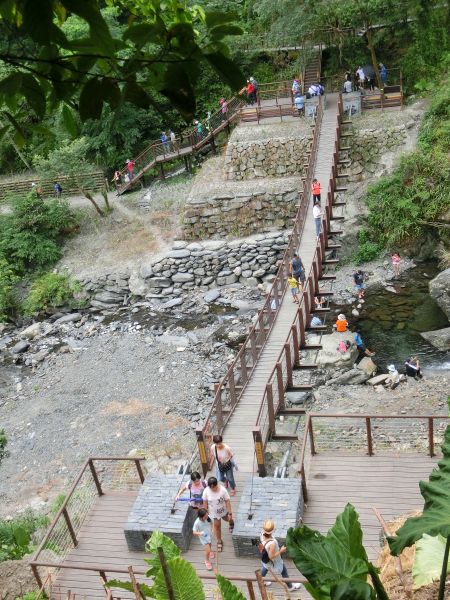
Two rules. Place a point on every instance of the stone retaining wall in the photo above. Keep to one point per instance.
(266, 158)
(209, 264)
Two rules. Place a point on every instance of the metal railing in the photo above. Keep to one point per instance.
(231, 387)
(370, 434)
(281, 376)
(96, 476)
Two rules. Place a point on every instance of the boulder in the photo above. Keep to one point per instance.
(440, 290)
(297, 397)
(159, 282)
(352, 377)
(440, 338)
(179, 244)
(182, 277)
(212, 295)
(378, 379)
(31, 331)
(20, 347)
(329, 356)
(72, 318)
(145, 271)
(367, 365)
(109, 298)
(137, 285)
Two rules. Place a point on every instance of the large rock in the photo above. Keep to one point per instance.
(182, 277)
(31, 331)
(440, 338)
(137, 285)
(20, 347)
(72, 318)
(329, 356)
(367, 365)
(352, 377)
(440, 290)
(109, 298)
(212, 295)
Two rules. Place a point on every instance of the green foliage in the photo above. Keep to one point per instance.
(170, 549)
(228, 591)
(402, 205)
(428, 560)
(7, 279)
(185, 581)
(367, 249)
(49, 290)
(31, 596)
(31, 236)
(16, 536)
(3, 443)
(335, 565)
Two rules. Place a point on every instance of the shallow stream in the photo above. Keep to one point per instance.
(391, 321)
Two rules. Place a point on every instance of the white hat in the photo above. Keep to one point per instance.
(391, 368)
(341, 317)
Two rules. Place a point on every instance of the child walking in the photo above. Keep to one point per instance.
(292, 282)
(396, 260)
(202, 529)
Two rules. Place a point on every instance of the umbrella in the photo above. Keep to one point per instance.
(369, 71)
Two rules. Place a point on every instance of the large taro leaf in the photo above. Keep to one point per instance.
(186, 584)
(170, 549)
(325, 560)
(347, 532)
(228, 591)
(127, 585)
(435, 518)
(428, 560)
(352, 590)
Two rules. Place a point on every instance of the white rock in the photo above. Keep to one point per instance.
(31, 331)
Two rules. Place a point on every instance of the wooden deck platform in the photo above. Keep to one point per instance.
(389, 483)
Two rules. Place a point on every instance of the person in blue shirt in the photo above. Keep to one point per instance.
(165, 141)
(360, 344)
(315, 321)
(383, 74)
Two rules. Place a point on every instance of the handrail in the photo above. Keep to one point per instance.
(280, 377)
(240, 370)
(368, 418)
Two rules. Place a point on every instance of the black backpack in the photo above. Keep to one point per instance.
(265, 558)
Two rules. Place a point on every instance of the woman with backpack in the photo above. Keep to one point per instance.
(224, 463)
(271, 554)
(196, 487)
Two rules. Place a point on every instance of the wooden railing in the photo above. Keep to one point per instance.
(281, 376)
(124, 473)
(231, 387)
(369, 434)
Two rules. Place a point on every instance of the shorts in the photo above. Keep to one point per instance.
(360, 286)
(294, 291)
(205, 540)
(361, 348)
(300, 276)
(225, 518)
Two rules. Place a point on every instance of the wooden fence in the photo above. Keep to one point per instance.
(22, 185)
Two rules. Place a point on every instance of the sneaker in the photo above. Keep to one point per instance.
(295, 586)
(208, 565)
(267, 583)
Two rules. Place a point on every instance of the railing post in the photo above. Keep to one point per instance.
(262, 587)
(431, 436)
(311, 437)
(37, 576)
(69, 527)
(303, 483)
(95, 477)
(137, 462)
(202, 450)
(280, 383)
(287, 350)
(243, 368)
(231, 385)
(259, 451)
(251, 591)
(296, 346)
(270, 408)
(253, 347)
(369, 436)
(301, 322)
(218, 402)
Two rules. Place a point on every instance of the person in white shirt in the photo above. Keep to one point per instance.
(347, 86)
(317, 214)
(361, 76)
(225, 464)
(202, 530)
(217, 502)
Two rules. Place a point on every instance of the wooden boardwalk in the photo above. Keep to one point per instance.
(389, 483)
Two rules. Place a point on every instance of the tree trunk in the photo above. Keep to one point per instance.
(373, 55)
(88, 195)
(105, 198)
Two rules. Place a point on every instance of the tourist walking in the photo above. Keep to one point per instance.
(412, 367)
(383, 74)
(165, 142)
(299, 103)
(317, 215)
(293, 285)
(358, 278)
(315, 190)
(58, 189)
(251, 92)
(396, 260)
(360, 344)
(297, 270)
(295, 87)
(274, 561)
(217, 502)
(199, 130)
(202, 530)
(341, 324)
(130, 168)
(117, 177)
(224, 108)
(360, 77)
(196, 486)
(174, 141)
(224, 463)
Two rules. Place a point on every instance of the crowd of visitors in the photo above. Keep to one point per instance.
(364, 79)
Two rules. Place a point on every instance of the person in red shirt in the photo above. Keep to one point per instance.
(251, 92)
(130, 168)
(315, 189)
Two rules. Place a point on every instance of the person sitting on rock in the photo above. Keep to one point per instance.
(360, 344)
(412, 367)
(315, 321)
(341, 324)
(394, 378)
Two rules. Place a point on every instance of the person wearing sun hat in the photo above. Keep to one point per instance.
(274, 551)
(394, 378)
(341, 324)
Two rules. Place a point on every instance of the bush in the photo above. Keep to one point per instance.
(31, 236)
(30, 596)
(7, 279)
(16, 536)
(3, 442)
(49, 290)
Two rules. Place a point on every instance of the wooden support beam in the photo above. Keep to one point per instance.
(326, 277)
(279, 437)
(300, 388)
(291, 412)
(312, 347)
(304, 366)
(333, 246)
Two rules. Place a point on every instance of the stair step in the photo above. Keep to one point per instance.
(333, 218)
(330, 261)
(333, 246)
(341, 188)
(312, 347)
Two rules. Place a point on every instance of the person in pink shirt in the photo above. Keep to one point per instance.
(396, 260)
(130, 168)
(224, 463)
